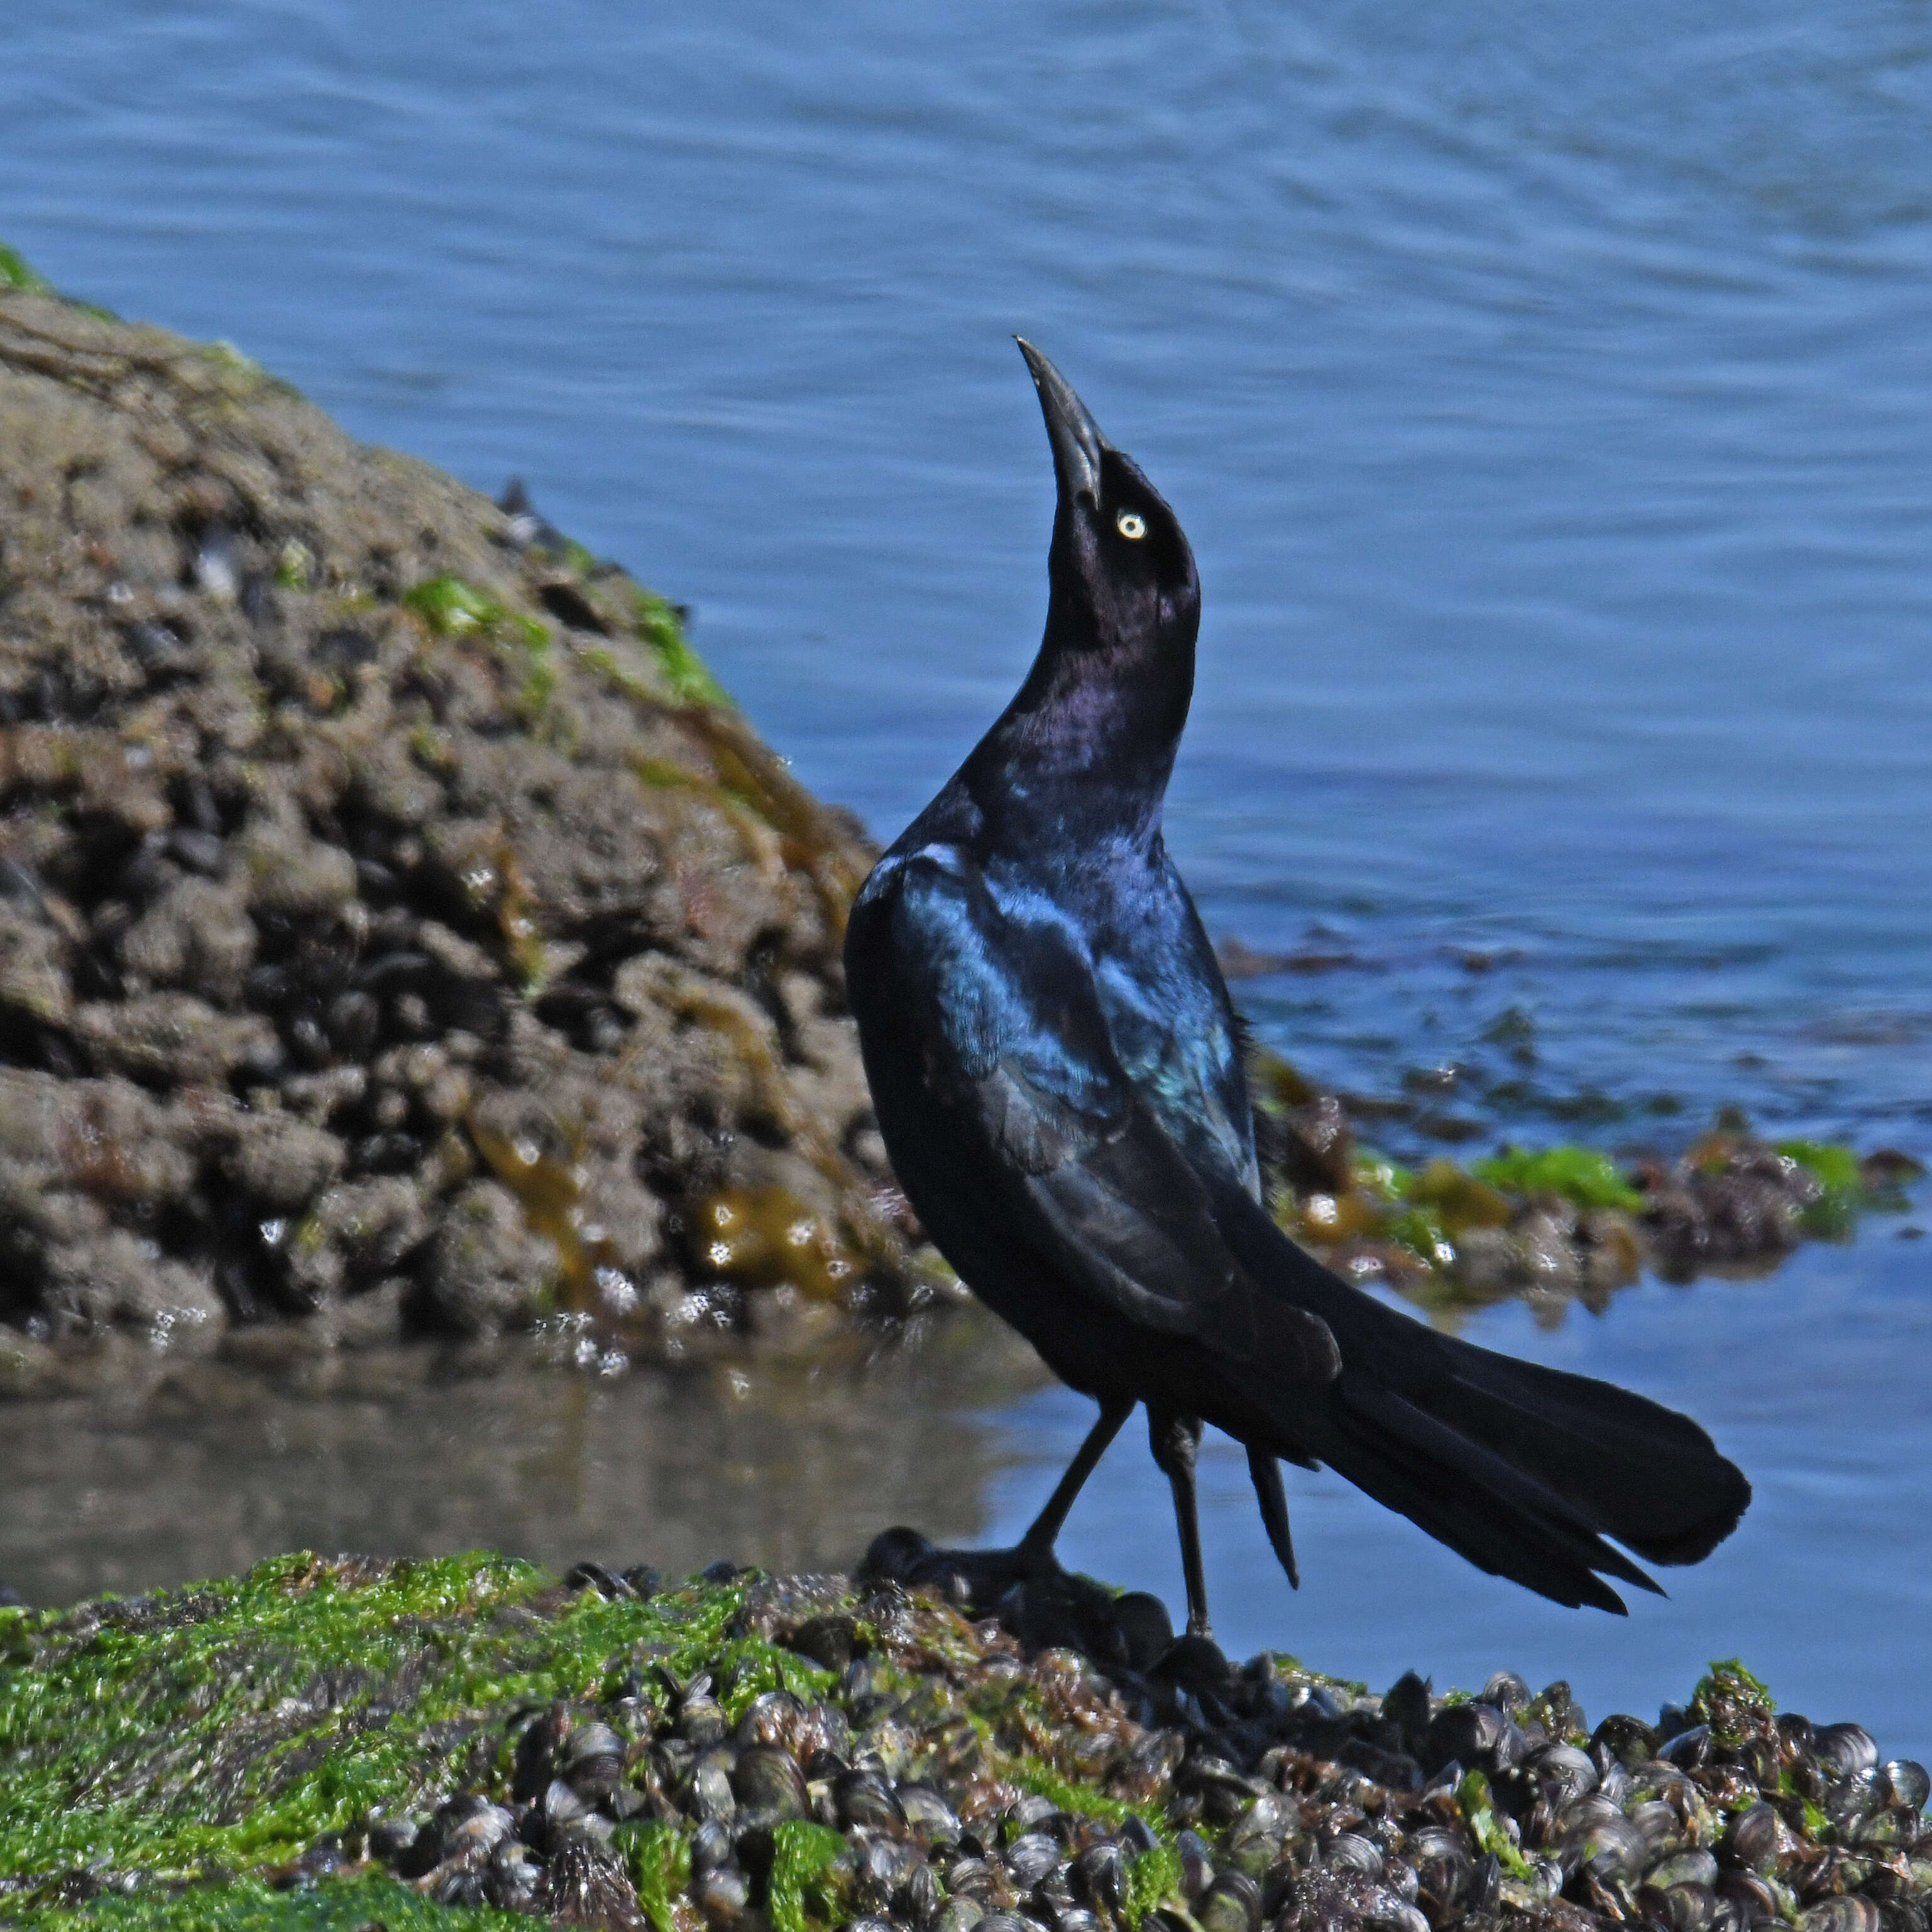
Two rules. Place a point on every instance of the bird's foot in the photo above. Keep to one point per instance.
(1035, 1599)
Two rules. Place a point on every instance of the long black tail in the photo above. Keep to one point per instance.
(1524, 1470)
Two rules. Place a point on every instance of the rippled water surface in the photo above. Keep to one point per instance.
(1546, 392)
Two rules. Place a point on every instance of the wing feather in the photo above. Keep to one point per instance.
(1024, 1061)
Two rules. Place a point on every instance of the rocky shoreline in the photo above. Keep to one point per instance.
(354, 1742)
(400, 935)
(410, 958)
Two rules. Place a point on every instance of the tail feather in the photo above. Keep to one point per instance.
(1524, 1470)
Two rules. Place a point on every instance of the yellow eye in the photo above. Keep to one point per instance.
(1132, 525)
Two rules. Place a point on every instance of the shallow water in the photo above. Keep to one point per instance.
(1546, 394)
(1824, 1588)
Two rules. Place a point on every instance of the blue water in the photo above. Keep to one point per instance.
(1547, 392)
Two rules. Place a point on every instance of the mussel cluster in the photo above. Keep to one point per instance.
(941, 1773)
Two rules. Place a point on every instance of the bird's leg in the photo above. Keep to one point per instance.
(1174, 1439)
(1273, 1500)
(1038, 1541)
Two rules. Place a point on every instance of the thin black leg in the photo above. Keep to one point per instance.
(1038, 1541)
(1174, 1439)
(1273, 1500)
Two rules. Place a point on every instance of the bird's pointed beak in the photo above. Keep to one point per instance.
(1070, 427)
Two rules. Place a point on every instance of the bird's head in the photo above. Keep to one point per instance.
(1122, 575)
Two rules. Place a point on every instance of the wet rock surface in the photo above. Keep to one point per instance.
(400, 934)
(754, 1752)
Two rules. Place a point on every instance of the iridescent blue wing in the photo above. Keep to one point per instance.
(1020, 1063)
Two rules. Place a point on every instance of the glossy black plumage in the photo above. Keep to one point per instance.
(1058, 1072)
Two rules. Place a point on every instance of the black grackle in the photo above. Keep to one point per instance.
(1056, 1068)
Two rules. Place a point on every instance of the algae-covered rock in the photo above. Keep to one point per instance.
(1551, 1224)
(470, 1741)
(387, 894)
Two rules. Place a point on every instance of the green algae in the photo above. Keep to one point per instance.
(661, 628)
(1373, 1173)
(1044, 1782)
(658, 1857)
(1577, 1174)
(1733, 1700)
(294, 565)
(1838, 1171)
(226, 1727)
(1478, 1808)
(15, 274)
(453, 608)
(803, 1882)
(1153, 1879)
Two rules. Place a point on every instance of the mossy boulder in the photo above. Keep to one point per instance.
(381, 875)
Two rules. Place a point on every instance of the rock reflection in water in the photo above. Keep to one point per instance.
(771, 1465)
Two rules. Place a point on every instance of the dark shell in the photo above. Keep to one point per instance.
(822, 1729)
(1347, 1851)
(701, 1722)
(928, 1814)
(1465, 1734)
(724, 1894)
(971, 1878)
(1848, 1914)
(1027, 1813)
(1442, 1864)
(1695, 1867)
(1753, 1838)
(1680, 1908)
(1751, 1898)
(1030, 1858)
(590, 1740)
(1076, 1918)
(863, 1798)
(1662, 1829)
(1688, 1749)
(1844, 1750)
(1232, 1903)
(918, 1897)
(1100, 1875)
(1609, 1848)
(561, 1803)
(773, 1717)
(766, 1778)
(828, 1641)
(711, 1793)
(710, 1846)
(1507, 1692)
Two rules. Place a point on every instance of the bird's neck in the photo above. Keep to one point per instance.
(1083, 752)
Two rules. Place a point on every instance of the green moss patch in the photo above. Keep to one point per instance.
(660, 627)
(1575, 1174)
(15, 274)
